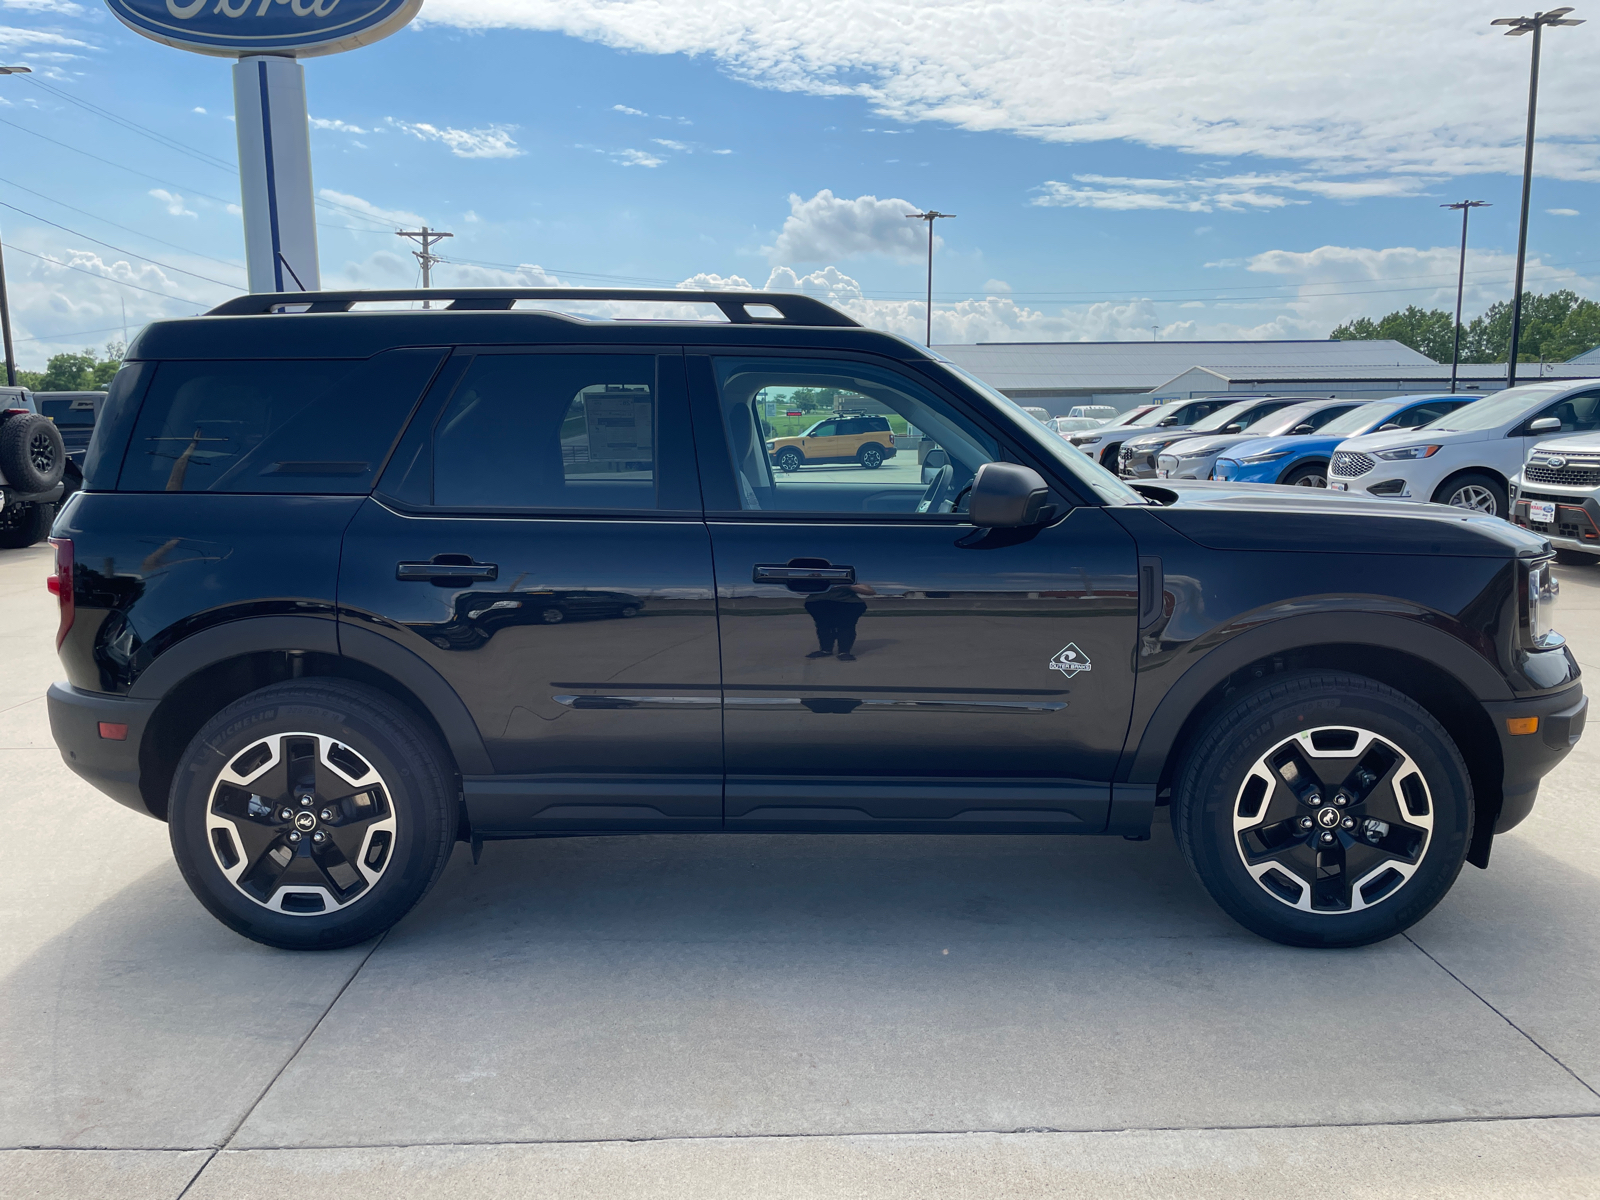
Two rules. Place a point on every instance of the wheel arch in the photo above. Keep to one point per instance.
(1443, 676)
(1325, 460)
(1491, 472)
(206, 672)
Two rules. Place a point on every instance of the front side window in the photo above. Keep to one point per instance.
(1577, 414)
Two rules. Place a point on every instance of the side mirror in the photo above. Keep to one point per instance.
(1006, 496)
(935, 461)
(1165, 421)
(1234, 428)
(1386, 428)
(1546, 425)
(1304, 429)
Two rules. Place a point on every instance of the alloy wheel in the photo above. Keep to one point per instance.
(42, 453)
(1476, 498)
(1333, 820)
(1312, 481)
(300, 824)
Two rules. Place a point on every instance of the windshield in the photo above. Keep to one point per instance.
(1368, 416)
(1057, 449)
(1151, 417)
(1285, 420)
(1223, 417)
(1502, 408)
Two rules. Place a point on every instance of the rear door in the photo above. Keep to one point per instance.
(537, 540)
(882, 670)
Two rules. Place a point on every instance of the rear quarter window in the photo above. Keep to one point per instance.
(304, 426)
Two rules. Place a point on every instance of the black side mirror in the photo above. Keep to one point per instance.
(1304, 429)
(1006, 496)
(1167, 421)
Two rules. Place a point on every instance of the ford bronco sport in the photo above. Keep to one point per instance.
(306, 595)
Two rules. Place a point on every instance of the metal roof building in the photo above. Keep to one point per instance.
(1361, 382)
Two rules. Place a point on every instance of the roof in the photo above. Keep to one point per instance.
(1591, 356)
(1140, 366)
(1427, 370)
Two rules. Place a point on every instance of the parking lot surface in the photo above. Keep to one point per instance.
(782, 1016)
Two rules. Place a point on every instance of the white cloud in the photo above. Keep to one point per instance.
(831, 227)
(492, 141)
(14, 38)
(672, 145)
(722, 152)
(173, 202)
(63, 8)
(636, 158)
(1233, 193)
(384, 216)
(1559, 212)
(1358, 86)
(632, 112)
(996, 287)
(336, 125)
(199, 110)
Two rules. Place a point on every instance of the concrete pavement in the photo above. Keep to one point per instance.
(781, 1016)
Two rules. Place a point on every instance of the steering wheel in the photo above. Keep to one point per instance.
(937, 498)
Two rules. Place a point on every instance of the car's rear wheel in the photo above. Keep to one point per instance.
(870, 456)
(789, 459)
(1312, 474)
(312, 814)
(1474, 491)
(1324, 809)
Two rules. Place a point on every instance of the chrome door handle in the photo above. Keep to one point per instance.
(425, 572)
(772, 573)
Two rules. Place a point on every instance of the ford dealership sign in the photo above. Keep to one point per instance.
(295, 28)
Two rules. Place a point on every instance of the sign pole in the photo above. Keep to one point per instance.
(280, 219)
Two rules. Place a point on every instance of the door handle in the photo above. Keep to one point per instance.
(773, 573)
(445, 566)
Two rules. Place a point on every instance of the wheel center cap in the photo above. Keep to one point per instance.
(304, 821)
(1326, 817)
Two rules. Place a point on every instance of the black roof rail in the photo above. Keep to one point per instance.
(792, 307)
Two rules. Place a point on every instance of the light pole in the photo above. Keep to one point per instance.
(930, 217)
(1519, 26)
(1466, 206)
(5, 301)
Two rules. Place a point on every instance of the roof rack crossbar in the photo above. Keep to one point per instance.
(792, 307)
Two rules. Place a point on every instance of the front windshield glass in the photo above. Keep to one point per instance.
(1368, 416)
(1151, 417)
(1502, 408)
(1223, 417)
(1056, 448)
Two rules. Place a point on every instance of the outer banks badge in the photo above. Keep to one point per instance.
(1069, 660)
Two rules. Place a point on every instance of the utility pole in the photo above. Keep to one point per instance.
(1519, 26)
(5, 300)
(930, 217)
(1466, 206)
(428, 238)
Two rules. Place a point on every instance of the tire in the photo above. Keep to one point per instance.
(552, 616)
(32, 454)
(373, 867)
(870, 456)
(23, 525)
(1311, 474)
(1411, 823)
(1474, 491)
(789, 459)
(1576, 558)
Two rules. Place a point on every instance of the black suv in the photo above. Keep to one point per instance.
(310, 596)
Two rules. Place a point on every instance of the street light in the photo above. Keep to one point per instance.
(930, 217)
(1466, 206)
(5, 302)
(1519, 26)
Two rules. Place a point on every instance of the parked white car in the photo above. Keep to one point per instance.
(1557, 495)
(1102, 412)
(1467, 458)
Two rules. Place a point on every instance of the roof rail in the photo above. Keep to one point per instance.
(793, 308)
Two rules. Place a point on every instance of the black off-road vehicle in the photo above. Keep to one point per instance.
(304, 597)
(33, 462)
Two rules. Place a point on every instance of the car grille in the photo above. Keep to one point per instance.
(1350, 464)
(1572, 520)
(1572, 476)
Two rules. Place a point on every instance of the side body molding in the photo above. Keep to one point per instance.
(1412, 638)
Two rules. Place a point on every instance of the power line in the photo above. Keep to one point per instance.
(171, 143)
(63, 337)
(118, 249)
(125, 228)
(103, 278)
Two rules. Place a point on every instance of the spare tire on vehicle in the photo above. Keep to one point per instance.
(32, 454)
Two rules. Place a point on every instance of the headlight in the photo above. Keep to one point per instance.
(1543, 589)
(770, 445)
(1271, 456)
(1086, 441)
(1194, 453)
(1405, 453)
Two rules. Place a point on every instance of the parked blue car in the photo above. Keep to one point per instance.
(1303, 459)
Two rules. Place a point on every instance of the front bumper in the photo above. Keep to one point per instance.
(1137, 462)
(111, 765)
(1172, 466)
(1529, 757)
(1577, 520)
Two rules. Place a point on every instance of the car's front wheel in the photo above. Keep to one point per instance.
(312, 814)
(1474, 491)
(1312, 475)
(1324, 809)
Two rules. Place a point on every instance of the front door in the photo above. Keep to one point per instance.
(538, 541)
(882, 671)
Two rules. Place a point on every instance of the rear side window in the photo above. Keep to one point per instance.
(273, 425)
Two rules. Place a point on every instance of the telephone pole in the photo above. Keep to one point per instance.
(428, 238)
(930, 217)
(1466, 207)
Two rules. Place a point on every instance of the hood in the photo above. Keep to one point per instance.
(1573, 443)
(1368, 442)
(1214, 443)
(1254, 516)
(1153, 436)
(1290, 443)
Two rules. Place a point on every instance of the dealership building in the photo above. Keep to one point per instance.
(1057, 375)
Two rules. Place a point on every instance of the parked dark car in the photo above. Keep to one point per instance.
(33, 469)
(296, 622)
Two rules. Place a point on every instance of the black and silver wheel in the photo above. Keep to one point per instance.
(1324, 809)
(1475, 492)
(32, 454)
(789, 459)
(870, 456)
(1312, 475)
(311, 815)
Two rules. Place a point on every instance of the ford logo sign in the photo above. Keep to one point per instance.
(235, 28)
(1555, 462)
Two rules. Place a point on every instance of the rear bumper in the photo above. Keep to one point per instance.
(1529, 757)
(109, 764)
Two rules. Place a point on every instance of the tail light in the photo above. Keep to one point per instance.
(60, 585)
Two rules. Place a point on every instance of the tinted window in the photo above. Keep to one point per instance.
(1423, 413)
(1577, 414)
(1358, 420)
(1502, 408)
(542, 431)
(284, 425)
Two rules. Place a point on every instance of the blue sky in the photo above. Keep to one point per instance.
(1227, 168)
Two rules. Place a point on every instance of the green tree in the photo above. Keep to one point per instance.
(1555, 326)
(68, 372)
(1427, 331)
